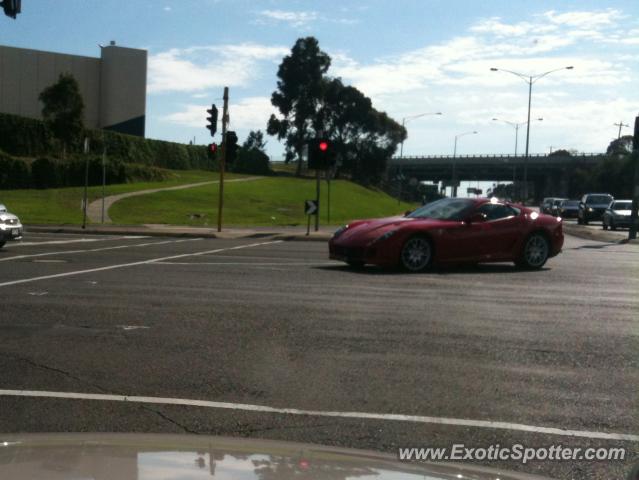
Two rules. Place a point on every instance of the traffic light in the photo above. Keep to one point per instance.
(212, 118)
(11, 7)
(231, 147)
(211, 150)
(320, 154)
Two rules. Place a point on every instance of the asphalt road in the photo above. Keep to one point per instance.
(276, 324)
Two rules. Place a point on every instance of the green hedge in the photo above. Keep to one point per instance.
(46, 172)
(26, 137)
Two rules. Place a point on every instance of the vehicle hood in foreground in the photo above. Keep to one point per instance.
(152, 456)
(375, 227)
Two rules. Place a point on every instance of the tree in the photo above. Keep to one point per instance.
(363, 137)
(63, 110)
(620, 146)
(298, 96)
(255, 141)
(251, 157)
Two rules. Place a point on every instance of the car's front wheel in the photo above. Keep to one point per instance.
(612, 225)
(535, 252)
(2, 242)
(417, 254)
(604, 225)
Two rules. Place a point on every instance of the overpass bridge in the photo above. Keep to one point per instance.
(549, 175)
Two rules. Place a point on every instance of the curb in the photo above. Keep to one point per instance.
(178, 234)
(598, 236)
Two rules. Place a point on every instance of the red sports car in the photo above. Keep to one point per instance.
(451, 230)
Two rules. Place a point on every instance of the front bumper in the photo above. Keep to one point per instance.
(379, 254)
(11, 232)
(596, 214)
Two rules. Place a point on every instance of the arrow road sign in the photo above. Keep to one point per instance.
(310, 207)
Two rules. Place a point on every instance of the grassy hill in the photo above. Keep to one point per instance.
(63, 205)
(263, 202)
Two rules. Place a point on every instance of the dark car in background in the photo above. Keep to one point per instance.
(592, 207)
(547, 204)
(617, 215)
(569, 209)
(556, 204)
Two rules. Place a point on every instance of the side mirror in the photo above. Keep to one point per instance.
(476, 218)
(407, 213)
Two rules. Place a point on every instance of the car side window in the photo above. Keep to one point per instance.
(496, 211)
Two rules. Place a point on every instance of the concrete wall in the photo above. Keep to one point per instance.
(113, 87)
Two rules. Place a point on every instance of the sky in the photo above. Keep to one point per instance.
(409, 56)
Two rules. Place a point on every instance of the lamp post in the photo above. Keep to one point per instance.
(516, 127)
(453, 187)
(529, 79)
(408, 119)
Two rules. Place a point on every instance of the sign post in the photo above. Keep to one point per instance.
(311, 207)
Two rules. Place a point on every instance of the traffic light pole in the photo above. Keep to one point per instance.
(317, 197)
(225, 119)
(634, 213)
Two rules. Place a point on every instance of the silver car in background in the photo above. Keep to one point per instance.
(10, 226)
(617, 215)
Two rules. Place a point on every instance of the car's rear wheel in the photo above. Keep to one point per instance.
(2, 242)
(417, 254)
(535, 252)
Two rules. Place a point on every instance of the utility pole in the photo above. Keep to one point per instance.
(620, 125)
(85, 198)
(634, 214)
(225, 119)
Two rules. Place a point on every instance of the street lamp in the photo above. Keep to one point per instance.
(529, 79)
(454, 176)
(516, 127)
(408, 119)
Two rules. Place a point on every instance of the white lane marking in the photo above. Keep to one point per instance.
(37, 294)
(393, 417)
(132, 327)
(49, 260)
(63, 242)
(101, 249)
(131, 264)
(250, 264)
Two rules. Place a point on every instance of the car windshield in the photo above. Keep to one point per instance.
(570, 203)
(622, 206)
(445, 209)
(598, 199)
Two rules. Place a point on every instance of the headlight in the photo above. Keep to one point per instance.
(590, 209)
(340, 230)
(385, 236)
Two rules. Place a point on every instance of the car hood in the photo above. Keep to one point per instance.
(375, 227)
(8, 216)
(152, 456)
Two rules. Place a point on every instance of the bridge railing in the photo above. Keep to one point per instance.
(489, 156)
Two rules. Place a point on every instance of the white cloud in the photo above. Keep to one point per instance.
(198, 68)
(167, 9)
(454, 77)
(295, 19)
(248, 113)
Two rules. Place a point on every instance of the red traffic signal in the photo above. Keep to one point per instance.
(213, 147)
(323, 145)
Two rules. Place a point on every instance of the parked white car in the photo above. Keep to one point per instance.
(10, 226)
